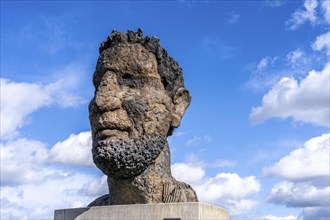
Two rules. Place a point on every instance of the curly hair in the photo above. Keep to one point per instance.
(168, 68)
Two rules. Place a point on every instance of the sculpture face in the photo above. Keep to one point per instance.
(130, 100)
(131, 112)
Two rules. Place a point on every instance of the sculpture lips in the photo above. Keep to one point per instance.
(108, 133)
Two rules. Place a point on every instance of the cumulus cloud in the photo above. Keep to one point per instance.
(37, 201)
(21, 160)
(305, 178)
(28, 168)
(228, 185)
(269, 70)
(75, 150)
(187, 172)
(322, 42)
(300, 16)
(302, 194)
(310, 162)
(228, 190)
(305, 101)
(25, 161)
(20, 99)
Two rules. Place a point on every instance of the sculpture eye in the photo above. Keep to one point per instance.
(131, 80)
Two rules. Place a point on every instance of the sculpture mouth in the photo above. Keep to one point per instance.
(107, 133)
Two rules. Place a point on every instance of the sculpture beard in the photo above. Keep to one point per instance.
(125, 158)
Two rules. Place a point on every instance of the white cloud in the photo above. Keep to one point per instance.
(228, 190)
(187, 172)
(274, 3)
(295, 57)
(26, 161)
(227, 185)
(322, 42)
(197, 140)
(28, 168)
(302, 194)
(178, 133)
(39, 200)
(269, 70)
(21, 160)
(20, 99)
(310, 162)
(75, 150)
(233, 18)
(299, 17)
(305, 173)
(310, 13)
(95, 188)
(306, 101)
(261, 76)
(223, 163)
(273, 217)
(325, 5)
(265, 62)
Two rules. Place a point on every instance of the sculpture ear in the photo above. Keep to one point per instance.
(181, 101)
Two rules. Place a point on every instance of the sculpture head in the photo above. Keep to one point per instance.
(139, 99)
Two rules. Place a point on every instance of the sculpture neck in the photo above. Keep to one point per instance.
(144, 188)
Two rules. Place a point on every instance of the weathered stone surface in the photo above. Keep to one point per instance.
(139, 99)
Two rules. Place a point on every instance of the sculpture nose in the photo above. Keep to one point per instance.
(106, 102)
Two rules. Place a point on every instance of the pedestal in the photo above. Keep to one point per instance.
(162, 211)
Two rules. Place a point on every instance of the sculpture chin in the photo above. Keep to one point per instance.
(125, 158)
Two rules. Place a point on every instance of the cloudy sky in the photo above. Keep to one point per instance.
(255, 139)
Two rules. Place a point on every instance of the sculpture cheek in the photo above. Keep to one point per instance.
(157, 119)
(136, 108)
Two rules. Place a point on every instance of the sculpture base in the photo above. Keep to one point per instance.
(162, 211)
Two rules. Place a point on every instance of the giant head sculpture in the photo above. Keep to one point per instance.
(139, 100)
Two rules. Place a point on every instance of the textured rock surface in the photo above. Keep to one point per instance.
(139, 99)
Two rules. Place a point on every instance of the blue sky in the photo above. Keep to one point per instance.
(254, 140)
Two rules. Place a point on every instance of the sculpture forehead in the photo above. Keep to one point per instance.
(131, 59)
